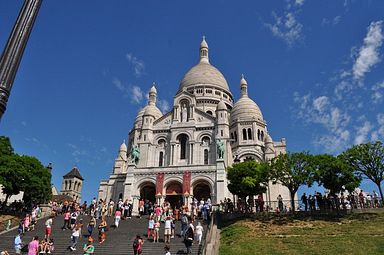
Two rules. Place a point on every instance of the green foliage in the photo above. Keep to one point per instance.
(38, 189)
(247, 178)
(367, 160)
(292, 170)
(5, 146)
(23, 173)
(334, 174)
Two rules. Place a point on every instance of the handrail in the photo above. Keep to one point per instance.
(208, 234)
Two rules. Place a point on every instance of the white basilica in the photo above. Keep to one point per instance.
(175, 156)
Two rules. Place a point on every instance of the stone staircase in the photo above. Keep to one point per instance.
(118, 241)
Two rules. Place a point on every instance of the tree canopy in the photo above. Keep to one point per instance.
(334, 174)
(367, 160)
(292, 170)
(23, 173)
(247, 178)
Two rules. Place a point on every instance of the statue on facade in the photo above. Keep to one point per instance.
(184, 113)
(135, 154)
(220, 148)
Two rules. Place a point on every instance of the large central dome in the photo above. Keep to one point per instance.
(206, 76)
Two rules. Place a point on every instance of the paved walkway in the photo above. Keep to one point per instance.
(118, 241)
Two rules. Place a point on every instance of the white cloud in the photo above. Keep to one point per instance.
(320, 110)
(363, 132)
(286, 27)
(137, 94)
(138, 65)
(320, 103)
(368, 54)
(118, 84)
(379, 133)
(299, 2)
(378, 93)
(163, 105)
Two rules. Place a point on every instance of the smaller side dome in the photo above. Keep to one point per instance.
(123, 147)
(221, 106)
(152, 110)
(139, 118)
(268, 139)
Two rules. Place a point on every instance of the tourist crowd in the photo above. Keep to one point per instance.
(162, 216)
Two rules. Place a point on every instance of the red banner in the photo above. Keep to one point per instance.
(159, 184)
(186, 183)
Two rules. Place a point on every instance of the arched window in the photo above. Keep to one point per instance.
(235, 136)
(161, 155)
(209, 112)
(70, 185)
(183, 139)
(244, 134)
(249, 134)
(161, 142)
(66, 185)
(258, 134)
(262, 136)
(205, 157)
(206, 141)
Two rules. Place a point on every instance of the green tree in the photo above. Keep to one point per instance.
(367, 160)
(334, 174)
(5, 146)
(247, 178)
(38, 189)
(23, 173)
(12, 174)
(292, 170)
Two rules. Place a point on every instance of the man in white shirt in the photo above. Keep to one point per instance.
(167, 231)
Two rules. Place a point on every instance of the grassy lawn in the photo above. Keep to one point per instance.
(353, 234)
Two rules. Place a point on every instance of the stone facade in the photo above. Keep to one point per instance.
(179, 151)
(72, 185)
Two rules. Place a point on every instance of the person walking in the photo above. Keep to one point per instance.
(75, 237)
(151, 226)
(91, 225)
(102, 229)
(18, 243)
(117, 217)
(188, 238)
(156, 234)
(199, 232)
(89, 248)
(138, 245)
(33, 246)
(48, 227)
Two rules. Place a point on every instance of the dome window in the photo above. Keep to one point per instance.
(249, 134)
(244, 134)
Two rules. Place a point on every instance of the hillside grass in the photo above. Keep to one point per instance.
(360, 233)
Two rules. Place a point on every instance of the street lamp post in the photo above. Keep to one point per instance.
(14, 49)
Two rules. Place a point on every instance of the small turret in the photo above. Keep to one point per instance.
(204, 51)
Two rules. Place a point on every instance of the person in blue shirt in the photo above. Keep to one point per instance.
(18, 244)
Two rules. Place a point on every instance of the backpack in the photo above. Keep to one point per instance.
(135, 244)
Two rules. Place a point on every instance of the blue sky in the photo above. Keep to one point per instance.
(315, 68)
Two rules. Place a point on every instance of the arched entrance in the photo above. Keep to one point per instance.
(174, 194)
(148, 192)
(202, 190)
